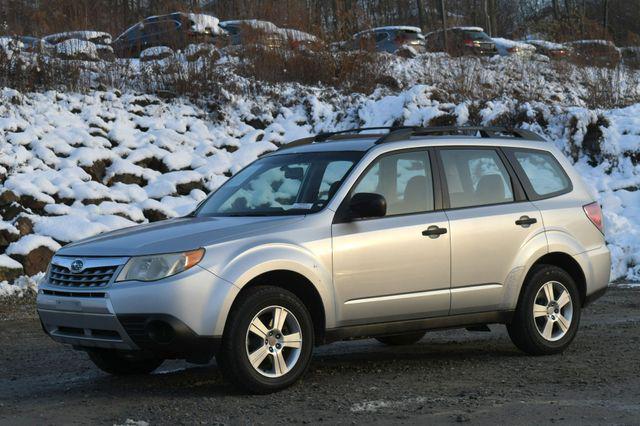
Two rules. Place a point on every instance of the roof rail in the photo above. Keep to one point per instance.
(324, 137)
(484, 132)
(405, 132)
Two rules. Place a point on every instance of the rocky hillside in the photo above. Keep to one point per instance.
(75, 165)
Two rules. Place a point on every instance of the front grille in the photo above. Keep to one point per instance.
(88, 278)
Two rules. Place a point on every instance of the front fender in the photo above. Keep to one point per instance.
(256, 261)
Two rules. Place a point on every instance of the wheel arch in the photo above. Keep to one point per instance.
(298, 284)
(565, 262)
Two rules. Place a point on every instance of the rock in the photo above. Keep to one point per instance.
(154, 215)
(186, 188)
(32, 204)
(7, 198)
(11, 211)
(128, 179)
(97, 169)
(35, 261)
(8, 236)
(9, 269)
(24, 225)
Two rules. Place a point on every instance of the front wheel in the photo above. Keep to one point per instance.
(548, 314)
(122, 363)
(268, 343)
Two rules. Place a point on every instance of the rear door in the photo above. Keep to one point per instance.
(490, 222)
(394, 267)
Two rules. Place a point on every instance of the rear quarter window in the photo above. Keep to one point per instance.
(543, 175)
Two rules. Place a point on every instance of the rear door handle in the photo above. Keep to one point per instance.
(526, 221)
(434, 231)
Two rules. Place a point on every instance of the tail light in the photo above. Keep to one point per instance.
(594, 213)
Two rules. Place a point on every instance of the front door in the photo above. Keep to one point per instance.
(394, 267)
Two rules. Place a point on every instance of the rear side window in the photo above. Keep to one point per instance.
(475, 177)
(543, 172)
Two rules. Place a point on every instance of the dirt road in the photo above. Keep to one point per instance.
(448, 377)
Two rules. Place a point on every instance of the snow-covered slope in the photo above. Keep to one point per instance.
(75, 165)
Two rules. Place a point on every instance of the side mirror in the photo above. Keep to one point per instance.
(367, 205)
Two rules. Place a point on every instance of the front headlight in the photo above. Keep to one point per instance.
(156, 267)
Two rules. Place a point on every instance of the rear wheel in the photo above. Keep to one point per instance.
(401, 339)
(268, 343)
(548, 314)
(123, 363)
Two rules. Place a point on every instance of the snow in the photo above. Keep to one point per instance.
(253, 23)
(7, 262)
(156, 52)
(166, 155)
(21, 287)
(503, 45)
(28, 243)
(205, 23)
(73, 48)
(390, 28)
(91, 36)
(546, 44)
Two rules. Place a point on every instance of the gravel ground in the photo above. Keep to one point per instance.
(448, 377)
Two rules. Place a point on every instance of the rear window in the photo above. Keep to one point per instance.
(545, 175)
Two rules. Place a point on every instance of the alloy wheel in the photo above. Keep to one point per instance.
(274, 341)
(553, 311)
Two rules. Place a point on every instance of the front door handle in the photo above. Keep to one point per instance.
(434, 231)
(526, 221)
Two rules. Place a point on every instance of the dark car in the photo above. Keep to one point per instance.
(631, 56)
(462, 41)
(390, 39)
(550, 49)
(602, 53)
(176, 30)
(266, 34)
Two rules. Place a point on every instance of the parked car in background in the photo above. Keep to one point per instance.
(82, 45)
(176, 30)
(95, 37)
(631, 56)
(506, 47)
(550, 49)
(22, 43)
(390, 39)
(267, 34)
(601, 53)
(462, 41)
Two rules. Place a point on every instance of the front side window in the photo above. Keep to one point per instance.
(404, 180)
(476, 177)
(543, 171)
(285, 184)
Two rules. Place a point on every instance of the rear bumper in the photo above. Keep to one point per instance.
(596, 265)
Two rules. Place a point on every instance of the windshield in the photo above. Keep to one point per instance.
(286, 184)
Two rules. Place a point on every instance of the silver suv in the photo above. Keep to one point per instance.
(381, 233)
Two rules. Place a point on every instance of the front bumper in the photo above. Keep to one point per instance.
(177, 317)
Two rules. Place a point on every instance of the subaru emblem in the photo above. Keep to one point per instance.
(77, 266)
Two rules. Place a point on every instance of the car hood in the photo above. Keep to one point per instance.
(174, 235)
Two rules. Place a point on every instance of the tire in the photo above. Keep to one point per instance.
(122, 364)
(401, 339)
(554, 324)
(280, 355)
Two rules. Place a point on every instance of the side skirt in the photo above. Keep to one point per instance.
(425, 324)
